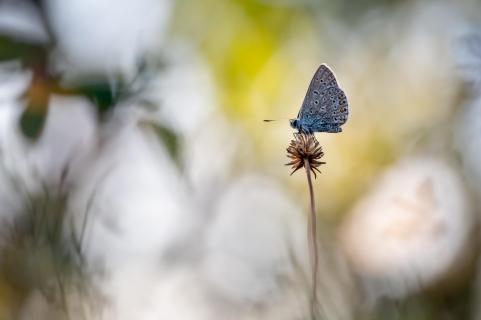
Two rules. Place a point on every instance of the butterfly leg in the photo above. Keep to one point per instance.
(305, 130)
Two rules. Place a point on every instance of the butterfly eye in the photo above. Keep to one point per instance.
(316, 102)
(316, 92)
(343, 110)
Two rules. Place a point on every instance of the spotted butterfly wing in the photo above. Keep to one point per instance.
(325, 107)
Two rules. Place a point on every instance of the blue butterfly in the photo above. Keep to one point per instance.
(325, 107)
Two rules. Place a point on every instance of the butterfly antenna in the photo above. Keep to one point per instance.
(272, 120)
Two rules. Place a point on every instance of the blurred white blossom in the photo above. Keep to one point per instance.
(21, 20)
(108, 36)
(248, 242)
(411, 229)
(13, 81)
(70, 134)
(184, 90)
(140, 203)
(244, 261)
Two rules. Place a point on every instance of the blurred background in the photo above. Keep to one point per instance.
(138, 181)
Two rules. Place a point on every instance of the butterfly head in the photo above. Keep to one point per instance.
(294, 123)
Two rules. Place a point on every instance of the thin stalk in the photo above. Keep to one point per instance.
(312, 238)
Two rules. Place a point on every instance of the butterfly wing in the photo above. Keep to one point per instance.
(322, 79)
(325, 107)
(334, 111)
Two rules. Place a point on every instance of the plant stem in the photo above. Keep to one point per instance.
(312, 237)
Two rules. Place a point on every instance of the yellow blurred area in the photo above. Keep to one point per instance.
(263, 55)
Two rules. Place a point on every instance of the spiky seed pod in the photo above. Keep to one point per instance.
(305, 147)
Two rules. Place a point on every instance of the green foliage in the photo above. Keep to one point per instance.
(100, 93)
(15, 49)
(37, 255)
(169, 138)
(32, 122)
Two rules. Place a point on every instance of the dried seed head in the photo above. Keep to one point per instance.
(305, 147)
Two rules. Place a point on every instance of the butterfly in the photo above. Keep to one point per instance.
(325, 107)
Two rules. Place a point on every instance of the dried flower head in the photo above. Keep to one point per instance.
(305, 149)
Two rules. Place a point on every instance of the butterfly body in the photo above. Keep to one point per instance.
(325, 107)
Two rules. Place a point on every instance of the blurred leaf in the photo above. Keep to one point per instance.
(35, 250)
(101, 94)
(15, 49)
(148, 104)
(32, 123)
(168, 137)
